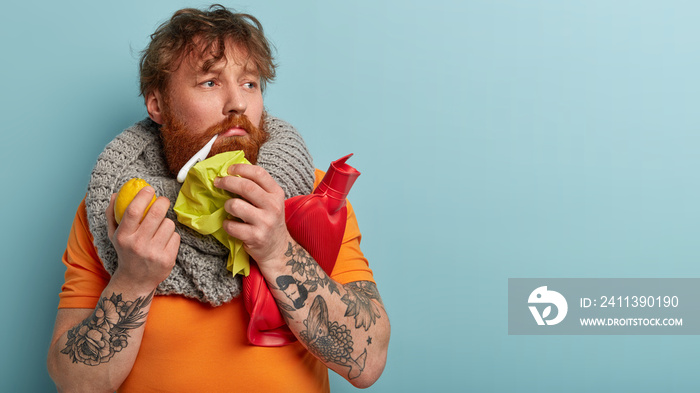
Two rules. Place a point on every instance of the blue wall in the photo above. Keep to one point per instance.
(497, 139)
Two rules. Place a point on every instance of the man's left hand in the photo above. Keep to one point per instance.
(262, 228)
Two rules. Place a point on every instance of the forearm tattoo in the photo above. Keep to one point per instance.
(330, 341)
(359, 298)
(106, 331)
(305, 266)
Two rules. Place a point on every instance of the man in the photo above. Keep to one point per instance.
(293, 290)
(149, 305)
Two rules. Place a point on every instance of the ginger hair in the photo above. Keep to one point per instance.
(203, 33)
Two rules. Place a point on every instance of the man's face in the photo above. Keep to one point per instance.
(224, 100)
(292, 293)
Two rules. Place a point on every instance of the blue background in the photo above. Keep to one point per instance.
(497, 139)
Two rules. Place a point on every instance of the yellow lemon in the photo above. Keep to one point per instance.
(126, 195)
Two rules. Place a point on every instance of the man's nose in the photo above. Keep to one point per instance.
(236, 102)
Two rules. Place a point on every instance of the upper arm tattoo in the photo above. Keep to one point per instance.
(106, 331)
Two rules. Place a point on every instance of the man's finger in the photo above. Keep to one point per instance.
(239, 207)
(247, 189)
(133, 214)
(163, 233)
(239, 230)
(256, 174)
(173, 244)
(154, 217)
(111, 221)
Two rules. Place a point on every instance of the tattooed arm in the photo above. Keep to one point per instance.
(94, 350)
(344, 326)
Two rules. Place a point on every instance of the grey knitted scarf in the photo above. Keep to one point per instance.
(200, 271)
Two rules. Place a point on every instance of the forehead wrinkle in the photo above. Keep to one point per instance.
(203, 59)
(202, 55)
(241, 56)
(212, 67)
(202, 64)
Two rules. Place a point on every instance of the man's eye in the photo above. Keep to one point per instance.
(209, 84)
(250, 85)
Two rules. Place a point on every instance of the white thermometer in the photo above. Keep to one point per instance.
(197, 157)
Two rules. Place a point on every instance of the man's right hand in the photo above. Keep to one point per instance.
(146, 249)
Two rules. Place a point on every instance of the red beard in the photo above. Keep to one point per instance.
(179, 145)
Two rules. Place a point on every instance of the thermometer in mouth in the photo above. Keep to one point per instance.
(197, 157)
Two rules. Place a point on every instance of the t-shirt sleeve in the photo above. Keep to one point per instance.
(351, 264)
(85, 277)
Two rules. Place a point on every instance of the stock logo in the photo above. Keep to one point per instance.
(542, 296)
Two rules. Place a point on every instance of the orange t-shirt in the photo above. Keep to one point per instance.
(192, 346)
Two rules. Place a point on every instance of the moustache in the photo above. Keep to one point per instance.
(232, 121)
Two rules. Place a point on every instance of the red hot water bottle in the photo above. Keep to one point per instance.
(317, 222)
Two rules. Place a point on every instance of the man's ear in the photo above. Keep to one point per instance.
(154, 106)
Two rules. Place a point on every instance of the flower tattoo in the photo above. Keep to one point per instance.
(304, 265)
(360, 305)
(106, 331)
